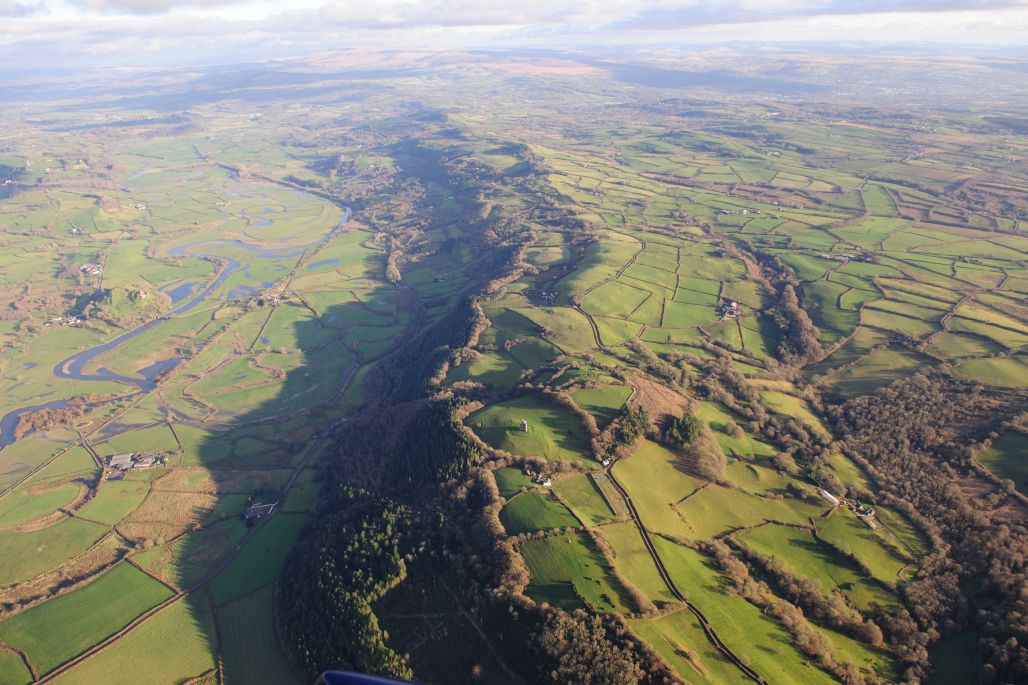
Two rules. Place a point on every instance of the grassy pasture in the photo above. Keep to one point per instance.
(28, 504)
(870, 233)
(145, 439)
(116, 500)
(682, 315)
(533, 353)
(510, 481)
(792, 406)
(553, 432)
(13, 670)
(825, 302)
(756, 478)
(603, 403)
(616, 331)
(716, 509)
(680, 639)
(564, 326)
(188, 558)
(656, 480)
(614, 299)
(567, 569)
(19, 458)
(249, 643)
(807, 267)
(804, 556)
(911, 537)
(1004, 372)
(585, 499)
(948, 345)
(877, 200)
(849, 473)
(717, 417)
(874, 371)
(178, 643)
(634, 562)
(27, 554)
(493, 369)
(897, 323)
(1010, 339)
(882, 663)
(1007, 457)
(757, 638)
(534, 511)
(872, 547)
(57, 630)
(261, 560)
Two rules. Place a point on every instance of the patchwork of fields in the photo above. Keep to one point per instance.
(895, 280)
(217, 321)
(667, 297)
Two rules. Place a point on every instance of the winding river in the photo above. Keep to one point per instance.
(74, 366)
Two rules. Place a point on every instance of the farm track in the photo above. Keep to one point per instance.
(673, 588)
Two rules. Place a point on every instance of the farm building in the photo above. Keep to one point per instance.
(134, 460)
(729, 309)
(122, 461)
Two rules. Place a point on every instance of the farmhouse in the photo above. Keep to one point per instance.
(728, 309)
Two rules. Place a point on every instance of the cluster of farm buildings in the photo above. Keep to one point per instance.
(127, 461)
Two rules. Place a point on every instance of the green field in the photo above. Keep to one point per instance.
(29, 553)
(249, 646)
(757, 638)
(634, 562)
(553, 432)
(603, 403)
(29, 504)
(716, 510)
(13, 670)
(804, 556)
(490, 368)
(148, 649)
(57, 630)
(657, 481)
(115, 501)
(585, 499)
(1007, 457)
(261, 560)
(511, 481)
(680, 639)
(534, 511)
(873, 547)
(568, 572)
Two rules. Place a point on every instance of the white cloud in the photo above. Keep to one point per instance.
(127, 30)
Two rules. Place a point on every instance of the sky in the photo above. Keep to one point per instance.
(67, 33)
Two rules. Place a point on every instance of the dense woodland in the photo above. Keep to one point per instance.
(916, 438)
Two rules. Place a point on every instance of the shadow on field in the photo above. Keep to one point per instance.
(259, 465)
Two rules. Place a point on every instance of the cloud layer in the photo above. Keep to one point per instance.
(138, 31)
